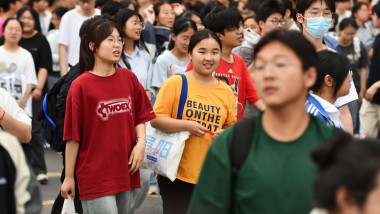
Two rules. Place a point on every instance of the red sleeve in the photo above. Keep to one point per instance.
(143, 109)
(189, 66)
(251, 94)
(74, 113)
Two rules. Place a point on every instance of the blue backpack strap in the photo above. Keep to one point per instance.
(183, 97)
(320, 108)
(44, 107)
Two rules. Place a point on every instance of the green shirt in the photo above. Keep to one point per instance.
(276, 177)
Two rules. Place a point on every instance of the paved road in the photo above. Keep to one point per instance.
(50, 191)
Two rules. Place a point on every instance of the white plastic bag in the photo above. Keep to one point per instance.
(68, 206)
(163, 151)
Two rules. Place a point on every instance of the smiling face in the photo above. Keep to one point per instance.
(109, 50)
(206, 57)
(279, 77)
(133, 27)
(182, 40)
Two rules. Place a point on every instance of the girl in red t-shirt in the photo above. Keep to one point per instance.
(105, 119)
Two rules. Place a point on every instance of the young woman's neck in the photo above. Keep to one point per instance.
(11, 46)
(341, 12)
(286, 123)
(317, 42)
(326, 94)
(183, 57)
(204, 80)
(359, 23)
(27, 35)
(226, 54)
(129, 46)
(86, 13)
(103, 69)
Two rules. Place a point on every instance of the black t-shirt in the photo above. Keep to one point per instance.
(374, 71)
(357, 60)
(39, 47)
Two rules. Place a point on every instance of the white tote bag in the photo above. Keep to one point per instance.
(163, 151)
(68, 206)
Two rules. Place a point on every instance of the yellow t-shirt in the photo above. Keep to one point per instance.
(211, 106)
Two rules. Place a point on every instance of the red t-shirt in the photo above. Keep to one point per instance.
(237, 76)
(101, 113)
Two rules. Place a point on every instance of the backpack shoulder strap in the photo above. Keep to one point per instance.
(183, 97)
(241, 143)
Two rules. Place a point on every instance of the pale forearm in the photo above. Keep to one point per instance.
(72, 149)
(345, 117)
(27, 93)
(41, 78)
(260, 105)
(62, 50)
(363, 79)
(167, 124)
(19, 129)
(140, 130)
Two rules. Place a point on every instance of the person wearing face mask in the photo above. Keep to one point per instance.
(314, 18)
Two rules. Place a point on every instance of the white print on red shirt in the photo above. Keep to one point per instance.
(117, 106)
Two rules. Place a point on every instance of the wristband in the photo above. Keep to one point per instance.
(2, 116)
(141, 138)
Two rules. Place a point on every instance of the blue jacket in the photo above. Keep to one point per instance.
(313, 107)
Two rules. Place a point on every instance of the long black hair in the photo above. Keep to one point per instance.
(36, 20)
(181, 25)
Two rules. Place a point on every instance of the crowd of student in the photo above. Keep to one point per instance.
(309, 68)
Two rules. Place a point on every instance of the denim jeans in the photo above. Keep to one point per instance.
(119, 203)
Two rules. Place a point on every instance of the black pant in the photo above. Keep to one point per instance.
(175, 195)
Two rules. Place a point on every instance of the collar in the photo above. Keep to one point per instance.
(330, 108)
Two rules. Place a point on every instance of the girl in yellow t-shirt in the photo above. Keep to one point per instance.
(209, 108)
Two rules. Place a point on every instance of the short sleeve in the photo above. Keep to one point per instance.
(9, 104)
(30, 72)
(143, 108)
(64, 30)
(250, 89)
(160, 72)
(45, 58)
(165, 101)
(74, 113)
(363, 60)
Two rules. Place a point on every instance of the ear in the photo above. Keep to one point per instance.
(344, 202)
(91, 45)
(261, 24)
(174, 37)
(310, 76)
(288, 13)
(328, 80)
(221, 36)
(299, 18)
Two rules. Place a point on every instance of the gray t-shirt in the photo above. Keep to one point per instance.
(166, 66)
(358, 57)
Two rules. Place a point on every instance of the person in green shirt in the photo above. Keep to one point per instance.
(278, 172)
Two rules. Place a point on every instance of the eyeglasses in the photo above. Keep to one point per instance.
(319, 13)
(240, 28)
(135, 24)
(277, 65)
(17, 30)
(277, 21)
(112, 41)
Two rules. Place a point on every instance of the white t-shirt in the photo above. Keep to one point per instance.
(331, 110)
(166, 66)
(16, 71)
(11, 107)
(69, 34)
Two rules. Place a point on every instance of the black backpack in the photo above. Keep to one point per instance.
(54, 109)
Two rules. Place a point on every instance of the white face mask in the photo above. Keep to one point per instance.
(251, 37)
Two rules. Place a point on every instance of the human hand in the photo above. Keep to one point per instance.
(177, 8)
(68, 186)
(150, 15)
(21, 104)
(149, 94)
(371, 91)
(137, 156)
(36, 94)
(217, 133)
(196, 129)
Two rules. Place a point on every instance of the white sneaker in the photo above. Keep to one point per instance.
(42, 178)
